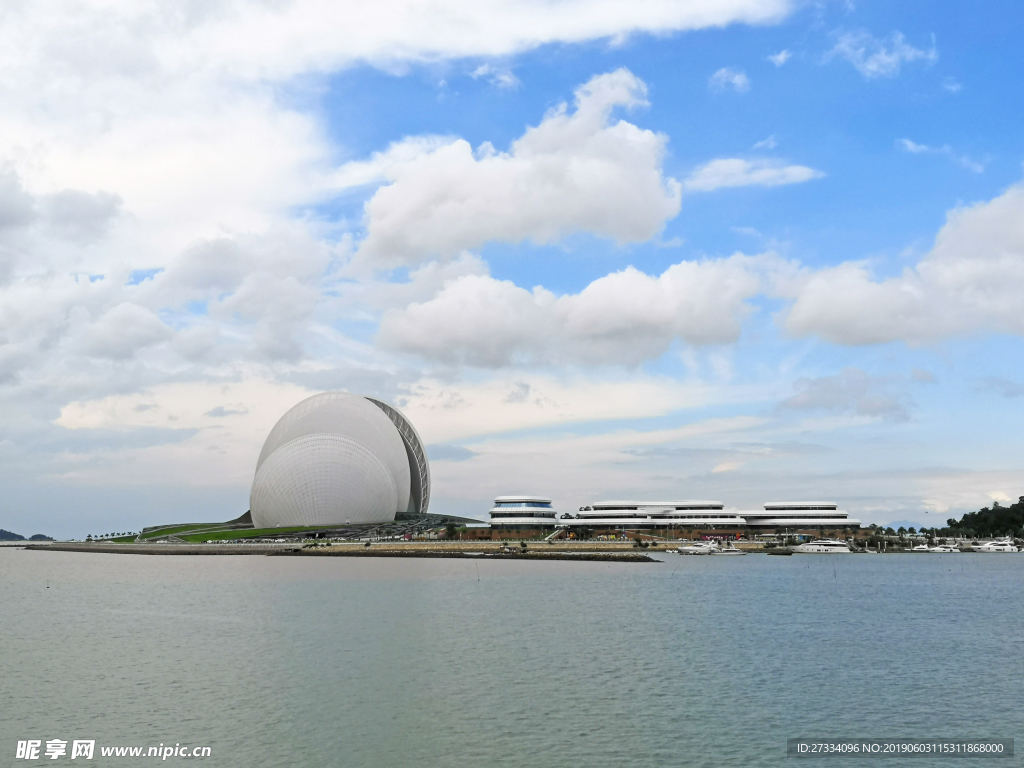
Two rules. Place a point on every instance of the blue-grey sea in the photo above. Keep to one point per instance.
(692, 661)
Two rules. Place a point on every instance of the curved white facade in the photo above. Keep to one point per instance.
(338, 458)
(522, 512)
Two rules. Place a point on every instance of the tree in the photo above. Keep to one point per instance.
(449, 530)
(911, 530)
(989, 522)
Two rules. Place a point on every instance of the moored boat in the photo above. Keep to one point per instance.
(999, 545)
(698, 548)
(822, 547)
(729, 549)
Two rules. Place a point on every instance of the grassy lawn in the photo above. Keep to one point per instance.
(175, 529)
(202, 532)
(246, 533)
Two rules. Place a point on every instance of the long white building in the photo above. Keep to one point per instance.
(798, 514)
(535, 512)
(651, 514)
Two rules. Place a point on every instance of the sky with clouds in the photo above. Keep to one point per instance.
(745, 250)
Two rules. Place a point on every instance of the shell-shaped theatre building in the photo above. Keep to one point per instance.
(340, 459)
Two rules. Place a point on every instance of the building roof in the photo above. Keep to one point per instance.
(798, 504)
(683, 503)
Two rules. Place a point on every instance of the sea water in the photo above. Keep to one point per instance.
(706, 661)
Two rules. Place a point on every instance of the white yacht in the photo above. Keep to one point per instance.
(729, 549)
(999, 545)
(947, 549)
(822, 547)
(921, 548)
(698, 548)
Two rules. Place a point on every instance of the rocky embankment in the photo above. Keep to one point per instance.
(163, 549)
(605, 551)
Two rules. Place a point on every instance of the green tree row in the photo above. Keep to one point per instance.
(997, 521)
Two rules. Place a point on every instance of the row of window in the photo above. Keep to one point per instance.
(547, 505)
(830, 507)
(661, 517)
(758, 518)
(522, 514)
(617, 508)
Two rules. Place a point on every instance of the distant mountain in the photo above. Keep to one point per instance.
(40, 537)
(8, 536)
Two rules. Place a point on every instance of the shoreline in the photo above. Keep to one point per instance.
(612, 551)
(362, 551)
(620, 553)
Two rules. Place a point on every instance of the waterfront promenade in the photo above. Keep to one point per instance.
(619, 551)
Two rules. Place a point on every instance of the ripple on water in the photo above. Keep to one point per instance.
(695, 661)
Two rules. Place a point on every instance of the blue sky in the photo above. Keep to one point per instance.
(748, 250)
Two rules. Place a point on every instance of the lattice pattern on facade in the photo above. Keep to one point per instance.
(420, 474)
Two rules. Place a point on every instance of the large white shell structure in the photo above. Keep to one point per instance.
(335, 459)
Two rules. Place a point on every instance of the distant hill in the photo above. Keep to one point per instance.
(40, 537)
(998, 521)
(8, 536)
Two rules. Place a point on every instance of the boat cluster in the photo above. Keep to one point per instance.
(837, 546)
(817, 547)
(996, 545)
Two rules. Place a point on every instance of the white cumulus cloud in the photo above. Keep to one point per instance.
(962, 160)
(576, 171)
(736, 172)
(970, 281)
(727, 77)
(621, 319)
(874, 57)
(321, 34)
(499, 77)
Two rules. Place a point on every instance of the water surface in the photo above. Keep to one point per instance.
(277, 661)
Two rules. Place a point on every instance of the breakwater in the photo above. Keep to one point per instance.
(405, 549)
(617, 557)
(164, 549)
